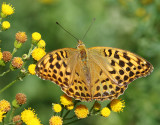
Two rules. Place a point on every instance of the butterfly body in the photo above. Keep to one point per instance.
(98, 73)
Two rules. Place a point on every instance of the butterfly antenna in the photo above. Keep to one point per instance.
(89, 28)
(67, 31)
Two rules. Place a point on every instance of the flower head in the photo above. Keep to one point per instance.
(17, 62)
(21, 37)
(105, 112)
(81, 111)
(5, 25)
(57, 107)
(41, 44)
(66, 100)
(2, 115)
(117, 105)
(34, 121)
(29, 117)
(17, 120)
(38, 53)
(21, 98)
(7, 9)
(55, 120)
(97, 106)
(31, 69)
(5, 106)
(7, 56)
(36, 36)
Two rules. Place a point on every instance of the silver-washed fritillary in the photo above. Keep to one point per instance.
(98, 73)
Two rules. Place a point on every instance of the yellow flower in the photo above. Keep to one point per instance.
(97, 106)
(41, 44)
(81, 111)
(105, 112)
(29, 117)
(70, 107)
(17, 62)
(36, 36)
(66, 100)
(21, 37)
(34, 121)
(117, 105)
(7, 9)
(31, 69)
(55, 120)
(5, 25)
(2, 115)
(5, 106)
(57, 107)
(140, 12)
(38, 53)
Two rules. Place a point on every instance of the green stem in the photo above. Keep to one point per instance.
(62, 112)
(11, 115)
(0, 20)
(5, 72)
(30, 50)
(71, 122)
(14, 50)
(7, 86)
(66, 114)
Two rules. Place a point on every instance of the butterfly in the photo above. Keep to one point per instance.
(97, 73)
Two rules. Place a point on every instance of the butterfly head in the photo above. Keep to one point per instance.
(80, 45)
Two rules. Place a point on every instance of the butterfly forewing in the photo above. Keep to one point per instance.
(121, 66)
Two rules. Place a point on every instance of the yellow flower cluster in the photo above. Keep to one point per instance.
(117, 105)
(17, 62)
(55, 120)
(5, 25)
(5, 106)
(57, 107)
(105, 112)
(81, 111)
(31, 69)
(38, 53)
(29, 117)
(7, 9)
(66, 100)
(36, 36)
(41, 44)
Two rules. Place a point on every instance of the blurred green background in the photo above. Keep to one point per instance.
(132, 25)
